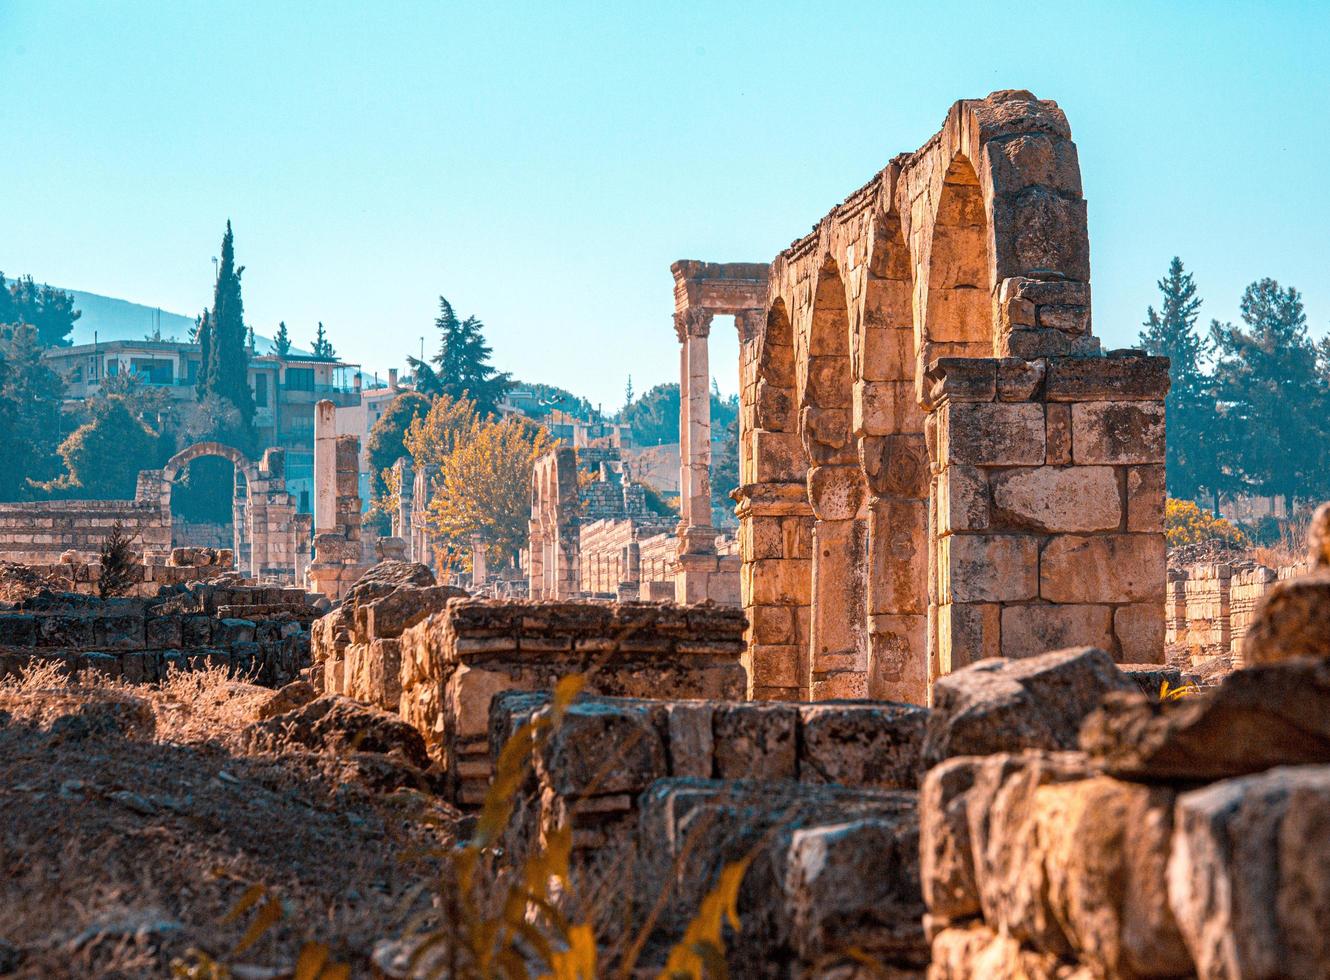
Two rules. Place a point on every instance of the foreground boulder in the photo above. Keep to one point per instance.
(1249, 877)
(1277, 714)
(1293, 620)
(339, 725)
(1001, 705)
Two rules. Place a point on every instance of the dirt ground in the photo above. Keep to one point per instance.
(132, 820)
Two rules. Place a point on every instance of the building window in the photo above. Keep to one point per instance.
(112, 367)
(92, 368)
(152, 371)
(261, 390)
(300, 379)
(192, 371)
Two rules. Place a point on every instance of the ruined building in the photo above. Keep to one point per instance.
(938, 463)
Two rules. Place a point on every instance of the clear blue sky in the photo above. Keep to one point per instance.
(542, 164)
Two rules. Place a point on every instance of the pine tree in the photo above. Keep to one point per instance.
(281, 344)
(628, 392)
(463, 364)
(118, 563)
(1171, 332)
(1270, 395)
(31, 395)
(228, 364)
(323, 348)
(49, 310)
(250, 346)
(203, 337)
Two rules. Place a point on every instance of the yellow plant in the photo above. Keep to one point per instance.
(1169, 693)
(1186, 523)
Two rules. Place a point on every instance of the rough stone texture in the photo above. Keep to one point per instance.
(831, 867)
(258, 631)
(339, 725)
(1249, 876)
(1293, 620)
(1004, 705)
(1256, 718)
(455, 661)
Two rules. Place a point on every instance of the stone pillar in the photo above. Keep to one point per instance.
(1048, 506)
(479, 571)
(325, 467)
(696, 534)
(535, 561)
(838, 647)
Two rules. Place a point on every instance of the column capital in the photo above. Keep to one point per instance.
(692, 323)
(750, 323)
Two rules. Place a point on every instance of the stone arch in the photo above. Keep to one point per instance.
(243, 506)
(775, 372)
(958, 315)
(827, 378)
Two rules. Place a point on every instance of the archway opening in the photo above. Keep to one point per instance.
(959, 313)
(207, 503)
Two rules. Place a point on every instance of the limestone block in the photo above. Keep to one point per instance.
(967, 633)
(164, 632)
(1249, 877)
(778, 456)
(962, 379)
(1019, 380)
(895, 465)
(18, 629)
(603, 747)
(963, 499)
(988, 567)
(1049, 498)
(1107, 379)
(1001, 705)
(1030, 630)
(691, 745)
(1057, 429)
(1039, 230)
(1034, 159)
(1139, 629)
(898, 658)
(874, 409)
(1117, 432)
(946, 859)
(993, 434)
(856, 885)
(897, 556)
(772, 624)
(776, 582)
(1103, 568)
(888, 354)
(1259, 717)
(775, 666)
(864, 744)
(755, 741)
(976, 952)
(1145, 498)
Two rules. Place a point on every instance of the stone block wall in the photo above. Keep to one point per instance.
(253, 631)
(1210, 607)
(38, 533)
(149, 580)
(1048, 506)
(456, 660)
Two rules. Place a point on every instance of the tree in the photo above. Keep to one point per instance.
(103, 456)
(1190, 405)
(203, 337)
(323, 348)
(251, 347)
(118, 563)
(1270, 395)
(628, 392)
(431, 438)
(654, 417)
(484, 487)
(30, 418)
(281, 344)
(725, 468)
(386, 442)
(227, 367)
(49, 310)
(205, 492)
(463, 368)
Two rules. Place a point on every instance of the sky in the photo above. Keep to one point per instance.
(542, 164)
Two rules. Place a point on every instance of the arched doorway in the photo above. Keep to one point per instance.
(206, 499)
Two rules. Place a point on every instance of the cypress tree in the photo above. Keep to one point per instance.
(203, 334)
(1171, 332)
(281, 344)
(228, 366)
(323, 348)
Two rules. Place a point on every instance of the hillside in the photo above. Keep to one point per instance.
(119, 319)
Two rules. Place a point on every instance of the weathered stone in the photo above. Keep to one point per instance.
(994, 433)
(1008, 705)
(1145, 498)
(1117, 432)
(1030, 630)
(603, 747)
(1293, 620)
(1140, 632)
(1047, 498)
(861, 744)
(1102, 568)
(1107, 379)
(340, 725)
(1249, 876)
(1260, 717)
(755, 741)
(989, 567)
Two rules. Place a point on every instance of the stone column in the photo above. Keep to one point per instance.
(535, 560)
(479, 571)
(696, 534)
(838, 647)
(325, 467)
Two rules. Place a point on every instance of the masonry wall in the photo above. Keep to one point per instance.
(38, 533)
(1210, 608)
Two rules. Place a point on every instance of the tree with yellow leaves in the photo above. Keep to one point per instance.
(484, 486)
(431, 438)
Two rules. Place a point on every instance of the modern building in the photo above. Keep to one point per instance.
(285, 388)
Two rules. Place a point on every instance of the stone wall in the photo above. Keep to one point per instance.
(148, 580)
(253, 631)
(1211, 607)
(456, 660)
(341, 552)
(38, 533)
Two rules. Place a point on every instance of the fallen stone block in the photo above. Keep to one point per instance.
(1276, 714)
(1000, 705)
(339, 725)
(861, 743)
(1293, 620)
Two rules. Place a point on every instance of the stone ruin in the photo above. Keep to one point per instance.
(599, 539)
(258, 632)
(271, 539)
(930, 436)
(340, 557)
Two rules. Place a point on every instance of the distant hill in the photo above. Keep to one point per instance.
(119, 319)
